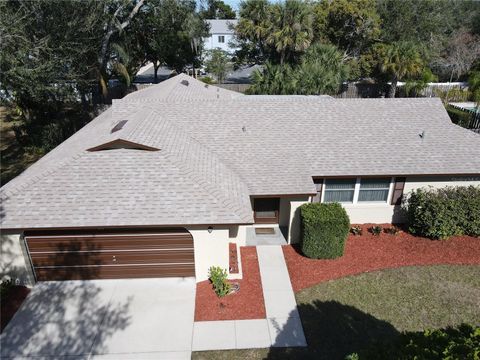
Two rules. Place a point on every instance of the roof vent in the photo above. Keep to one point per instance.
(422, 135)
(184, 82)
(119, 126)
(244, 128)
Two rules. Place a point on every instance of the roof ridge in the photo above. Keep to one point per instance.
(184, 153)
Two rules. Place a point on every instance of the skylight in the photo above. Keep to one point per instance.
(119, 126)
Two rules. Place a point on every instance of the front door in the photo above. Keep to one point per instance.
(266, 210)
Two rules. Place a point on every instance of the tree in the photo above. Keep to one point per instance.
(322, 70)
(252, 30)
(171, 33)
(48, 60)
(274, 79)
(474, 87)
(54, 53)
(461, 52)
(400, 61)
(217, 64)
(414, 87)
(280, 32)
(217, 9)
(290, 29)
(352, 25)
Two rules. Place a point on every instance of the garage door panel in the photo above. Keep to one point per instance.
(112, 257)
(70, 256)
(114, 272)
(109, 243)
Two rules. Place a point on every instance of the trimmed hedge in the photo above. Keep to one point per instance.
(325, 228)
(441, 213)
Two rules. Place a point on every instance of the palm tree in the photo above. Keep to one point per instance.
(322, 70)
(290, 29)
(253, 22)
(401, 60)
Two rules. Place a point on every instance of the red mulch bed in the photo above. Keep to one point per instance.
(9, 306)
(369, 253)
(246, 304)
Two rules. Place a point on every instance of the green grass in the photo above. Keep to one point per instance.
(14, 157)
(346, 315)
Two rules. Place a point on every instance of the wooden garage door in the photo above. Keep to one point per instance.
(118, 254)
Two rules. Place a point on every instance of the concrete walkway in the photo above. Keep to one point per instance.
(281, 328)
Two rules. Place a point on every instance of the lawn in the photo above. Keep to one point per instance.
(345, 315)
(14, 157)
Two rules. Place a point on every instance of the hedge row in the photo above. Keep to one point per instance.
(325, 228)
(441, 213)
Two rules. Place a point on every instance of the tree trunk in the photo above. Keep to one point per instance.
(155, 72)
(102, 59)
(393, 88)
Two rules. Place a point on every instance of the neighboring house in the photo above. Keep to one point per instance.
(163, 182)
(221, 34)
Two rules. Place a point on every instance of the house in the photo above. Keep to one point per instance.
(165, 181)
(221, 34)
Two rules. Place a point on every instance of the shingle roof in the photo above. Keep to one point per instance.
(213, 152)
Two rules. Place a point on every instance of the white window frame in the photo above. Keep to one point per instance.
(218, 39)
(356, 192)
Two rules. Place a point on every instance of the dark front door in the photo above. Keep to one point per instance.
(266, 210)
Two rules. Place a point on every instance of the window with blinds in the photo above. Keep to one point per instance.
(374, 190)
(339, 190)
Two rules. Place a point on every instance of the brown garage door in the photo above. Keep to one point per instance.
(117, 254)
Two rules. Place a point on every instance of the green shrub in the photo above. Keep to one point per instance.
(392, 230)
(441, 213)
(462, 342)
(463, 118)
(376, 230)
(325, 228)
(356, 230)
(218, 277)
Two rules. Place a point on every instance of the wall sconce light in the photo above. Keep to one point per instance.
(210, 229)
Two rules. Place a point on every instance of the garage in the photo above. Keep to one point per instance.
(111, 254)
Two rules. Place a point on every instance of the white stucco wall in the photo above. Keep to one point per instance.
(295, 221)
(386, 213)
(212, 42)
(14, 263)
(212, 249)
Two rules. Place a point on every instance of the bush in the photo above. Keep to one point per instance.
(392, 230)
(356, 230)
(441, 213)
(325, 228)
(462, 342)
(463, 118)
(376, 230)
(218, 277)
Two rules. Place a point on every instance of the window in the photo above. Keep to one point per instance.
(339, 190)
(221, 39)
(374, 190)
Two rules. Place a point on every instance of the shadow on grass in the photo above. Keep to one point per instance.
(333, 331)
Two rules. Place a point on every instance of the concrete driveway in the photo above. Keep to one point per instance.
(104, 319)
